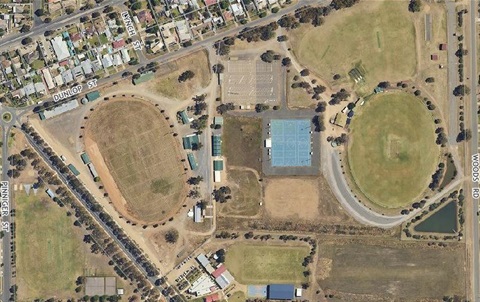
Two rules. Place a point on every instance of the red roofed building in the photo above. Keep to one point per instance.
(212, 298)
(75, 37)
(227, 16)
(443, 46)
(434, 57)
(219, 271)
(210, 2)
(144, 16)
(63, 63)
(118, 44)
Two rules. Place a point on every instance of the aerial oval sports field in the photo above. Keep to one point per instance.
(138, 159)
(392, 151)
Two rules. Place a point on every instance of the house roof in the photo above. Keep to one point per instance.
(212, 298)
(76, 37)
(210, 2)
(145, 16)
(60, 48)
(219, 271)
(118, 44)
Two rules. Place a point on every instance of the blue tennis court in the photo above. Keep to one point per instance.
(291, 143)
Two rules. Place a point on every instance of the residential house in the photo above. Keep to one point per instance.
(60, 48)
(183, 31)
(145, 17)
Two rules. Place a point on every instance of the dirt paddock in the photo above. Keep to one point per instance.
(304, 198)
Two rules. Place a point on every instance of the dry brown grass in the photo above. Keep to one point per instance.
(141, 154)
(379, 36)
(292, 198)
(391, 270)
(242, 138)
(246, 194)
(166, 79)
(298, 97)
(303, 198)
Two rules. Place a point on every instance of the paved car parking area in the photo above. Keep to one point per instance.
(250, 81)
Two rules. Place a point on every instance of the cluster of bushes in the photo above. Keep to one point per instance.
(437, 177)
(264, 33)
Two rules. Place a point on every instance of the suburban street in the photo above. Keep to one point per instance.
(14, 40)
(6, 242)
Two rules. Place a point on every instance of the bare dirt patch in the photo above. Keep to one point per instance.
(306, 198)
(292, 198)
(141, 156)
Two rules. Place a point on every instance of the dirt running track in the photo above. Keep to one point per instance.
(108, 182)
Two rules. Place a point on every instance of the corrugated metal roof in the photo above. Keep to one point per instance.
(218, 165)
(192, 161)
(216, 145)
(85, 158)
(281, 291)
(202, 259)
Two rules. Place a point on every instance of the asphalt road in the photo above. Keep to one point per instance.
(474, 142)
(15, 39)
(6, 241)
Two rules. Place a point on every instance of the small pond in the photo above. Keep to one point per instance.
(442, 221)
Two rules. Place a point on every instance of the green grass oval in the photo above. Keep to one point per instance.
(392, 151)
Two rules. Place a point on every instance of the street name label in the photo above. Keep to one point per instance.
(137, 45)
(67, 93)
(73, 91)
(5, 198)
(128, 24)
(475, 175)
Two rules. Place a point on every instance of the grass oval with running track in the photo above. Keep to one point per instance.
(392, 151)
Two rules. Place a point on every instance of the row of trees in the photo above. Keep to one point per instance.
(84, 218)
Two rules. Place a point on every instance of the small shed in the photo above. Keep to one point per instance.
(85, 158)
(216, 145)
(443, 46)
(197, 214)
(73, 169)
(218, 120)
(50, 193)
(184, 117)
(192, 162)
(218, 165)
(434, 57)
(92, 96)
(268, 143)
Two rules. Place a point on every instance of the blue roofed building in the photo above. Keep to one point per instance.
(280, 292)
